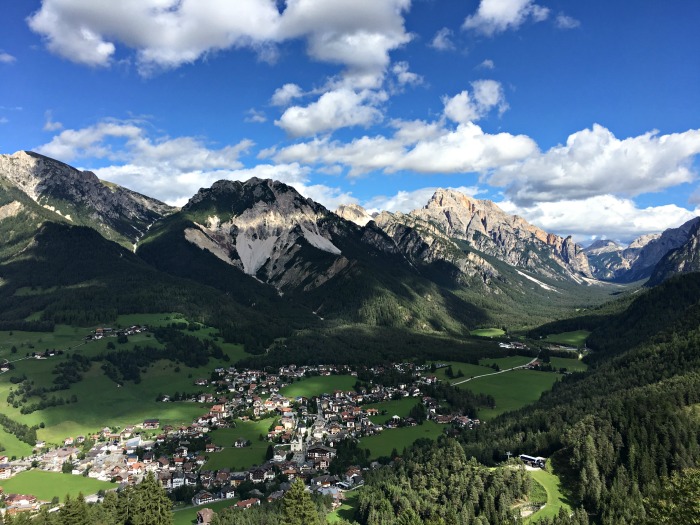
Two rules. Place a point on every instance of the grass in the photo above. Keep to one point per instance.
(504, 363)
(240, 458)
(555, 498)
(47, 485)
(400, 407)
(468, 369)
(487, 332)
(399, 438)
(511, 390)
(571, 365)
(347, 510)
(13, 447)
(317, 385)
(577, 338)
(188, 515)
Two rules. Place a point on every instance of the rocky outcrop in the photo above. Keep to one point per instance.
(80, 197)
(684, 259)
(354, 213)
(487, 228)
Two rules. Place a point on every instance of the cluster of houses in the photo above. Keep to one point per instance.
(99, 333)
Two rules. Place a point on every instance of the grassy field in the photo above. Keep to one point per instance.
(399, 407)
(577, 338)
(511, 390)
(240, 458)
(347, 510)
(188, 515)
(555, 499)
(571, 365)
(317, 385)
(46, 485)
(468, 369)
(487, 332)
(504, 363)
(399, 438)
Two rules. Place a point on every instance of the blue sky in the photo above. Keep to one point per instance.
(582, 117)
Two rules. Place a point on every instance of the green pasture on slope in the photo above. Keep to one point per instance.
(576, 338)
(347, 510)
(188, 515)
(555, 498)
(399, 438)
(47, 485)
(468, 369)
(487, 332)
(317, 385)
(511, 390)
(505, 363)
(571, 365)
(399, 407)
(240, 458)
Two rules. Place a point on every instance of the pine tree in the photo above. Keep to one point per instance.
(74, 511)
(298, 507)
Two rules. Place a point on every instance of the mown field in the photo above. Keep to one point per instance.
(399, 438)
(571, 365)
(317, 385)
(347, 510)
(511, 390)
(240, 458)
(188, 515)
(47, 485)
(487, 332)
(555, 498)
(399, 407)
(577, 338)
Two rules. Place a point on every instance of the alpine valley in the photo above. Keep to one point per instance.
(253, 337)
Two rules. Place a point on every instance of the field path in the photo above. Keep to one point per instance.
(495, 373)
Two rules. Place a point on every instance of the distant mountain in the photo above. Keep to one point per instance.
(638, 260)
(78, 197)
(354, 213)
(684, 259)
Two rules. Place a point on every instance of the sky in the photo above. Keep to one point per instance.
(582, 117)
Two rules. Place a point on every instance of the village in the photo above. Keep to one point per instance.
(303, 438)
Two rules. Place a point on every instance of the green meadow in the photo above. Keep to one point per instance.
(347, 510)
(577, 338)
(468, 369)
(47, 485)
(511, 390)
(399, 407)
(317, 385)
(555, 498)
(188, 515)
(240, 458)
(505, 363)
(487, 332)
(571, 365)
(399, 438)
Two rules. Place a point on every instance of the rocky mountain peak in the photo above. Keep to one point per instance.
(354, 213)
(641, 241)
(602, 246)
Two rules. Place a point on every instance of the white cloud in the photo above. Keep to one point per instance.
(465, 107)
(404, 76)
(566, 22)
(418, 146)
(495, 16)
(50, 124)
(6, 58)
(357, 34)
(603, 215)
(594, 161)
(487, 64)
(333, 110)
(284, 95)
(442, 41)
(4, 120)
(256, 116)
(407, 201)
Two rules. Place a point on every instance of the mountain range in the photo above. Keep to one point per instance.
(267, 254)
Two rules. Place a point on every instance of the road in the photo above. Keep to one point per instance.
(494, 373)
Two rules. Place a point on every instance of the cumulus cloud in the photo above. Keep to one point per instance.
(358, 34)
(50, 124)
(256, 116)
(335, 109)
(465, 107)
(424, 147)
(496, 16)
(404, 76)
(442, 41)
(487, 64)
(594, 161)
(603, 215)
(6, 58)
(407, 201)
(286, 94)
(566, 22)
